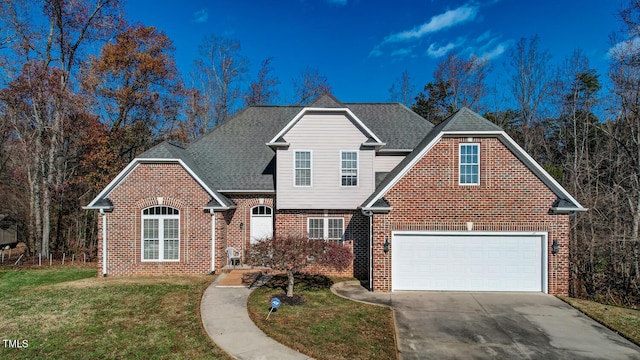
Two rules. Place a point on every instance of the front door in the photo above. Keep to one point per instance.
(261, 223)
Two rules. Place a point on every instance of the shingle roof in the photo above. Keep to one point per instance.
(393, 123)
(326, 101)
(233, 156)
(467, 120)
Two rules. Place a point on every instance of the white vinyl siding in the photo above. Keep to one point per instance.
(325, 228)
(160, 234)
(325, 136)
(302, 168)
(349, 168)
(469, 164)
(386, 163)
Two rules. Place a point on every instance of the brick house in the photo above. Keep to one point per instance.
(459, 206)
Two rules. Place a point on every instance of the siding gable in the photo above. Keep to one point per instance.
(325, 135)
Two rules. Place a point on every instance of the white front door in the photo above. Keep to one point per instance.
(261, 223)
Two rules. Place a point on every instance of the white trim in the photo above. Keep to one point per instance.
(310, 168)
(135, 163)
(161, 237)
(357, 185)
(460, 145)
(378, 208)
(303, 112)
(325, 227)
(544, 235)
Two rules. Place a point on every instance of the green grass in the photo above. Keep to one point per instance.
(326, 326)
(68, 313)
(622, 320)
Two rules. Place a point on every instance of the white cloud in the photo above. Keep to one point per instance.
(436, 23)
(436, 51)
(337, 2)
(496, 51)
(200, 16)
(376, 52)
(402, 52)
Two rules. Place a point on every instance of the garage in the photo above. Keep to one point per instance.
(469, 261)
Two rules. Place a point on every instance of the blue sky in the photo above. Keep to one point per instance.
(363, 46)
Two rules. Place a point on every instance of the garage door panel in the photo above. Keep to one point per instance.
(467, 262)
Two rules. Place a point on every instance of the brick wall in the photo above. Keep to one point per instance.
(356, 236)
(142, 188)
(509, 198)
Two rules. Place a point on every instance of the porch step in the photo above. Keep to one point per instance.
(240, 278)
(227, 269)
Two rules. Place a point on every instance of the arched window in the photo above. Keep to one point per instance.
(160, 234)
(261, 210)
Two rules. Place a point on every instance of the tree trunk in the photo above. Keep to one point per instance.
(291, 282)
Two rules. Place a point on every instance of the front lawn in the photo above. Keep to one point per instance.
(622, 320)
(325, 326)
(68, 313)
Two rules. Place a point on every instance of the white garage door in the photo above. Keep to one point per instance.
(468, 262)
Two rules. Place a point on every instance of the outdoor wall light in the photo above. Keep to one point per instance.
(241, 226)
(386, 245)
(555, 247)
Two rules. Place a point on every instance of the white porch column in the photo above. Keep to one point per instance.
(104, 242)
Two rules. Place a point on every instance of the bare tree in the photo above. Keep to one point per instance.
(465, 79)
(310, 85)
(221, 69)
(262, 90)
(402, 90)
(457, 83)
(531, 84)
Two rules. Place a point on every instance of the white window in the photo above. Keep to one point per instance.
(349, 168)
(302, 166)
(325, 228)
(469, 164)
(160, 234)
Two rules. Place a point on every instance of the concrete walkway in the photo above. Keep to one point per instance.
(225, 318)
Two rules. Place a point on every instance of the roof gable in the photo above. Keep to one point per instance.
(326, 101)
(467, 122)
(332, 108)
(166, 153)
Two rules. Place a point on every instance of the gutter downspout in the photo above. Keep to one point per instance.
(213, 242)
(104, 243)
(369, 214)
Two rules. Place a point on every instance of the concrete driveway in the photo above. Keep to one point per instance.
(457, 325)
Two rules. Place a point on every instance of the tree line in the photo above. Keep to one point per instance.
(84, 91)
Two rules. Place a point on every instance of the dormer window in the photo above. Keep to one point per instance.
(349, 168)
